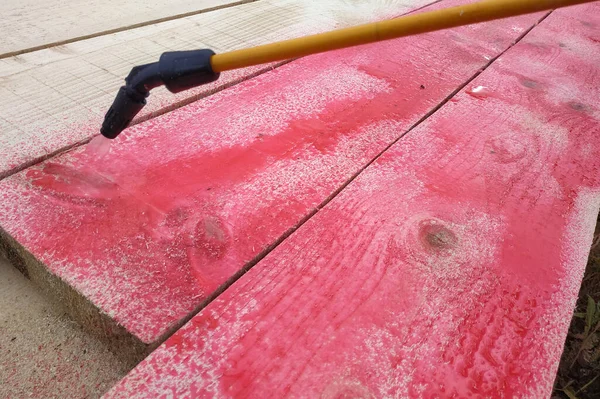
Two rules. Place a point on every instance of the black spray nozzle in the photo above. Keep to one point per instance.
(177, 70)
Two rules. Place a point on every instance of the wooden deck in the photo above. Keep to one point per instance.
(54, 98)
(448, 268)
(404, 219)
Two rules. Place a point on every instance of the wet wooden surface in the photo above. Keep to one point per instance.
(184, 201)
(448, 268)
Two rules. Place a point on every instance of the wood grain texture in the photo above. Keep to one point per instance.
(185, 200)
(28, 24)
(55, 98)
(449, 268)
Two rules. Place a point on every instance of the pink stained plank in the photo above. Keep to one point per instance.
(449, 268)
(185, 200)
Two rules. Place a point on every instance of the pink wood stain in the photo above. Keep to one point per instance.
(185, 200)
(77, 127)
(448, 269)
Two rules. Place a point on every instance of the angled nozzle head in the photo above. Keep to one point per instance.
(177, 70)
(120, 114)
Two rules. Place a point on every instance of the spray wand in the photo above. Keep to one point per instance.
(182, 70)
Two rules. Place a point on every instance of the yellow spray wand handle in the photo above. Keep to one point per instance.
(481, 11)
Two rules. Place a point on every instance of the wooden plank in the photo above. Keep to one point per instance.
(186, 200)
(449, 268)
(29, 25)
(55, 98)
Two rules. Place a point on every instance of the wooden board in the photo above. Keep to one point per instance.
(449, 268)
(55, 98)
(186, 200)
(34, 24)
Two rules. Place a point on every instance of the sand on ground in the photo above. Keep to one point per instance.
(43, 353)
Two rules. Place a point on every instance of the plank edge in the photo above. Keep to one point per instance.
(126, 346)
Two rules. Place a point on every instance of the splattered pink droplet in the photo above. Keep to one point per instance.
(480, 92)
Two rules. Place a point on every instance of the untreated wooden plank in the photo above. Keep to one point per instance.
(33, 24)
(184, 201)
(55, 98)
(448, 268)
